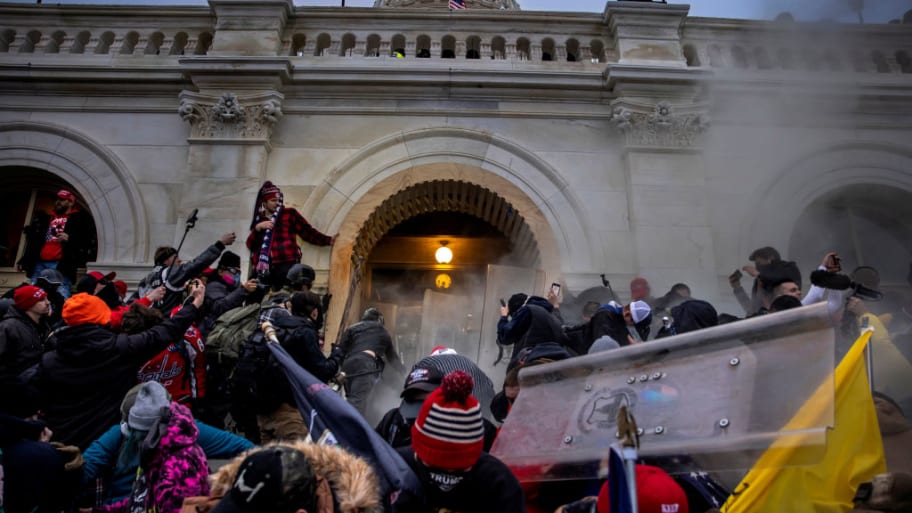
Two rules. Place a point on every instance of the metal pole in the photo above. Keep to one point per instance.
(630, 464)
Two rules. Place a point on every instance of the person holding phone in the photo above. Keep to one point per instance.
(528, 321)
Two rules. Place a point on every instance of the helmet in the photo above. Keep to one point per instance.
(300, 275)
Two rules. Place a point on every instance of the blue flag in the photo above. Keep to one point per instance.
(618, 489)
(332, 421)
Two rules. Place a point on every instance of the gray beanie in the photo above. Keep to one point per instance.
(603, 343)
(146, 411)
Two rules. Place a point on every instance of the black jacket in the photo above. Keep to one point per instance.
(489, 487)
(80, 248)
(534, 323)
(83, 381)
(20, 343)
(369, 336)
(36, 479)
(299, 337)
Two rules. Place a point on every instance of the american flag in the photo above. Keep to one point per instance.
(456, 4)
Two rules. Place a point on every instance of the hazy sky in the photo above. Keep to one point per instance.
(875, 11)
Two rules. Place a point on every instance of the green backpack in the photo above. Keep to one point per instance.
(231, 330)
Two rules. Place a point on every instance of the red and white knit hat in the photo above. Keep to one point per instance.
(448, 433)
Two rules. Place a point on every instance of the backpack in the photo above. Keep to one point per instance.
(256, 381)
(230, 332)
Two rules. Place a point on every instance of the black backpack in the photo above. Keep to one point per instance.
(256, 381)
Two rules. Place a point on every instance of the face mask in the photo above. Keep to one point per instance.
(229, 279)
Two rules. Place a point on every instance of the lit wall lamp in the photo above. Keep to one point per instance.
(444, 255)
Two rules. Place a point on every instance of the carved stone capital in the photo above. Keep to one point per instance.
(229, 118)
(662, 127)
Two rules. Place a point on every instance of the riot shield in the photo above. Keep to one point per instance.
(449, 320)
(501, 282)
(719, 397)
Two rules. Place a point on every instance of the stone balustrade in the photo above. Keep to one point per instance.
(332, 35)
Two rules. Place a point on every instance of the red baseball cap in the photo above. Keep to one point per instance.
(657, 492)
(102, 277)
(67, 195)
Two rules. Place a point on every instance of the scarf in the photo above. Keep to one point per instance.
(262, 267)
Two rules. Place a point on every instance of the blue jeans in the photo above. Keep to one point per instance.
(65, 285)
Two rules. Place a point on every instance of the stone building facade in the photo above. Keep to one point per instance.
(638, 141)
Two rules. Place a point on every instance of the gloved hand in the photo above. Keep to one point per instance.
(337, 354)
(71, 455)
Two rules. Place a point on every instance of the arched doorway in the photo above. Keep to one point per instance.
(428, 301)
(345, 200)
(869, 225)
(28, 190)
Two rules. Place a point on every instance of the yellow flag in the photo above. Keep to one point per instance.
(854, 452)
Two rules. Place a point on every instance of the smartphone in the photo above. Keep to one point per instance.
(502, 302)
(555, 288)
(735, 275)
(835, 263)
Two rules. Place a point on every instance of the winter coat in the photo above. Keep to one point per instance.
(488, 487)
(175, 468)
(83, 380)
(20, 343)
(369, 336)
(302, 342)
(35, 475)
(355, 488)
(101, 457)
(534, 323)
(174, 278)
(79, 248)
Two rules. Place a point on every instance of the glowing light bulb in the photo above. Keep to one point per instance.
(444, 255)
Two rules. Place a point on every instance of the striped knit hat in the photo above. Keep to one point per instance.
(448, 433)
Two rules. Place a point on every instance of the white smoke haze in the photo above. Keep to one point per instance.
(798, 95)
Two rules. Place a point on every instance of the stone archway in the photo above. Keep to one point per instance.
(451, 196)
(815, 176)
(355, 189)
(97, 174)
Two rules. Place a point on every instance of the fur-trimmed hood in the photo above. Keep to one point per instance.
(351, 478)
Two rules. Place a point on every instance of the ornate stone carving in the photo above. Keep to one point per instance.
(660, 128)
(229, 117)
(500, 5)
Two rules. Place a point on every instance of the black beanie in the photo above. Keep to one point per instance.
(229, 259)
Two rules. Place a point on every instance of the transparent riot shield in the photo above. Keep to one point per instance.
(718, 397)
(449, 320)
(502, 281)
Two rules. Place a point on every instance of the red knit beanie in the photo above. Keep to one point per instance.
(27, 296)
(448, 433)
(269, 191)
(85, 309)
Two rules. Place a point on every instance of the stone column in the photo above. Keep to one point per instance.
(667, 196)
(236, 102)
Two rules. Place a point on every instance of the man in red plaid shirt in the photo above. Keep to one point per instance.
(274, 232)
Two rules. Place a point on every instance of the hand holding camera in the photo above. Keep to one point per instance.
(197, 292)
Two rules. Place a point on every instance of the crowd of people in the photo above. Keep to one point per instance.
(117, 402)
